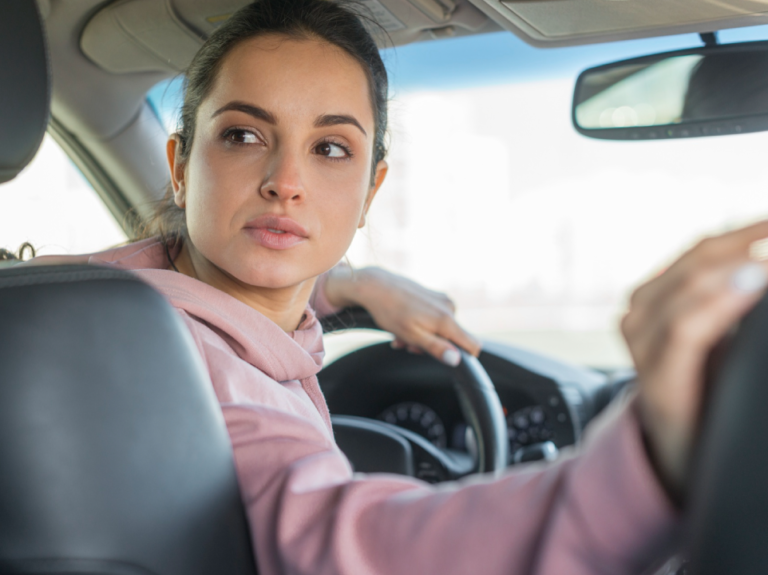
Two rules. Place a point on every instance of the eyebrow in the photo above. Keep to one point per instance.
(261, 114)
(336, 120)
(251, 110)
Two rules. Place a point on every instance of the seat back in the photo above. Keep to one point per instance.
(115, 458)
(24, 85)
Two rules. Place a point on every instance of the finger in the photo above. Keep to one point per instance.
(414, 349)
(742, 237)
(698, 320)
(680, 369)
(449, 329)
(712, 250)
(724, 246)
(709, 281)
(646, 325)
(438, 347)
(646, 330)
(397, 343)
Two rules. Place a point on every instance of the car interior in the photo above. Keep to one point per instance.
(78, 417)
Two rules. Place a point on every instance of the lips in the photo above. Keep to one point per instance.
(276, 232)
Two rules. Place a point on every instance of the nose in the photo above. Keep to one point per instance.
(283, 181)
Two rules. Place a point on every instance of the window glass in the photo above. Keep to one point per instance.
(52, 206)
(538, 233)
(165, 99)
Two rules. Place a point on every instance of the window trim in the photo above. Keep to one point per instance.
(104, 186)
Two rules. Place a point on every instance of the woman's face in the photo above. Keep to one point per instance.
(279, 174)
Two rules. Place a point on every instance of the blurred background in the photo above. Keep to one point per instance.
(538, 234)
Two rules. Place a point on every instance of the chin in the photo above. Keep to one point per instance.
(272, 276)
(260, 267)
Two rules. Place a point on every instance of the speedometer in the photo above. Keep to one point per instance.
(418, 418)
(528, 426)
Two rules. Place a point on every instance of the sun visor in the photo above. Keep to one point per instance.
(140, 36)
(164, 35)
(24, 85)
(558, 23)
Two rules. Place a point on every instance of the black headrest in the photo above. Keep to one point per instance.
(24, 85)
(114, 456)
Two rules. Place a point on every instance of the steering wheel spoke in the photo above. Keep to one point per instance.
(377, 447)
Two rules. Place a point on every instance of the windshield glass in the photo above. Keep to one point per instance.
(537, 233)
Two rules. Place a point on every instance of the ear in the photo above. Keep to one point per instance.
(381, 172)
(176, 167)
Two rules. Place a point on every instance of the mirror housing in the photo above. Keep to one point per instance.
(709, 91)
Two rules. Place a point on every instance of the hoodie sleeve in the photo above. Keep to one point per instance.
(596, 511)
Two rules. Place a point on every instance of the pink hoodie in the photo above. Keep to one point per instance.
(598, 510)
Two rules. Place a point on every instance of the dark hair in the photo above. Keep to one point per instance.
(338, 23)
(26, 251)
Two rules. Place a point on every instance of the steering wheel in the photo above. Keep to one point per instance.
(409, 453)
(727, 523)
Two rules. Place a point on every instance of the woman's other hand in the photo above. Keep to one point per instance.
(419, 318)
(673, 323)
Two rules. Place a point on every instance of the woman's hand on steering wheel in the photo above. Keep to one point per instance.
(419, 318)
(673, 323)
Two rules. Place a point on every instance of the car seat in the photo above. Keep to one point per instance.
(114, 458)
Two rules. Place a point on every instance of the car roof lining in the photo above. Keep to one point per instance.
(554, 23)
(129, 36)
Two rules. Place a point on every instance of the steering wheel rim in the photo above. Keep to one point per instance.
(477, 396)
(727, 507)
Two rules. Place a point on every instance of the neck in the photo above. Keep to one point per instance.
(284, 306)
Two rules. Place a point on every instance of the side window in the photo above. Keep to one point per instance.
(52, 206)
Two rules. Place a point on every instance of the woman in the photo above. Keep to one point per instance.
(280, 154)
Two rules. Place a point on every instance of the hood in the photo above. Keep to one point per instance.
(255, 338)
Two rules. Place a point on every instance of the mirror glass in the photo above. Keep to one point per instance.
(697, 88)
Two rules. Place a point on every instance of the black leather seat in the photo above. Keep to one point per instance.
(114, 458)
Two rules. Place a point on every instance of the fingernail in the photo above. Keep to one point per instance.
(749, 278)
(451, 357)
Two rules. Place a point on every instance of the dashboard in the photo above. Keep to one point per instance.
(544, 400)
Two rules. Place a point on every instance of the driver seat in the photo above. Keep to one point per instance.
(114, 456)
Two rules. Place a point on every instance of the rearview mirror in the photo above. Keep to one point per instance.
(708, 91)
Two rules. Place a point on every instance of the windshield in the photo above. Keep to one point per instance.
(537, 233)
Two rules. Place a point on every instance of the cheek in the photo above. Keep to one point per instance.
(211, 198)
(341, 209)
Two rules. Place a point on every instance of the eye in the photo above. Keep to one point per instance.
(240, 136)
(332, 150)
